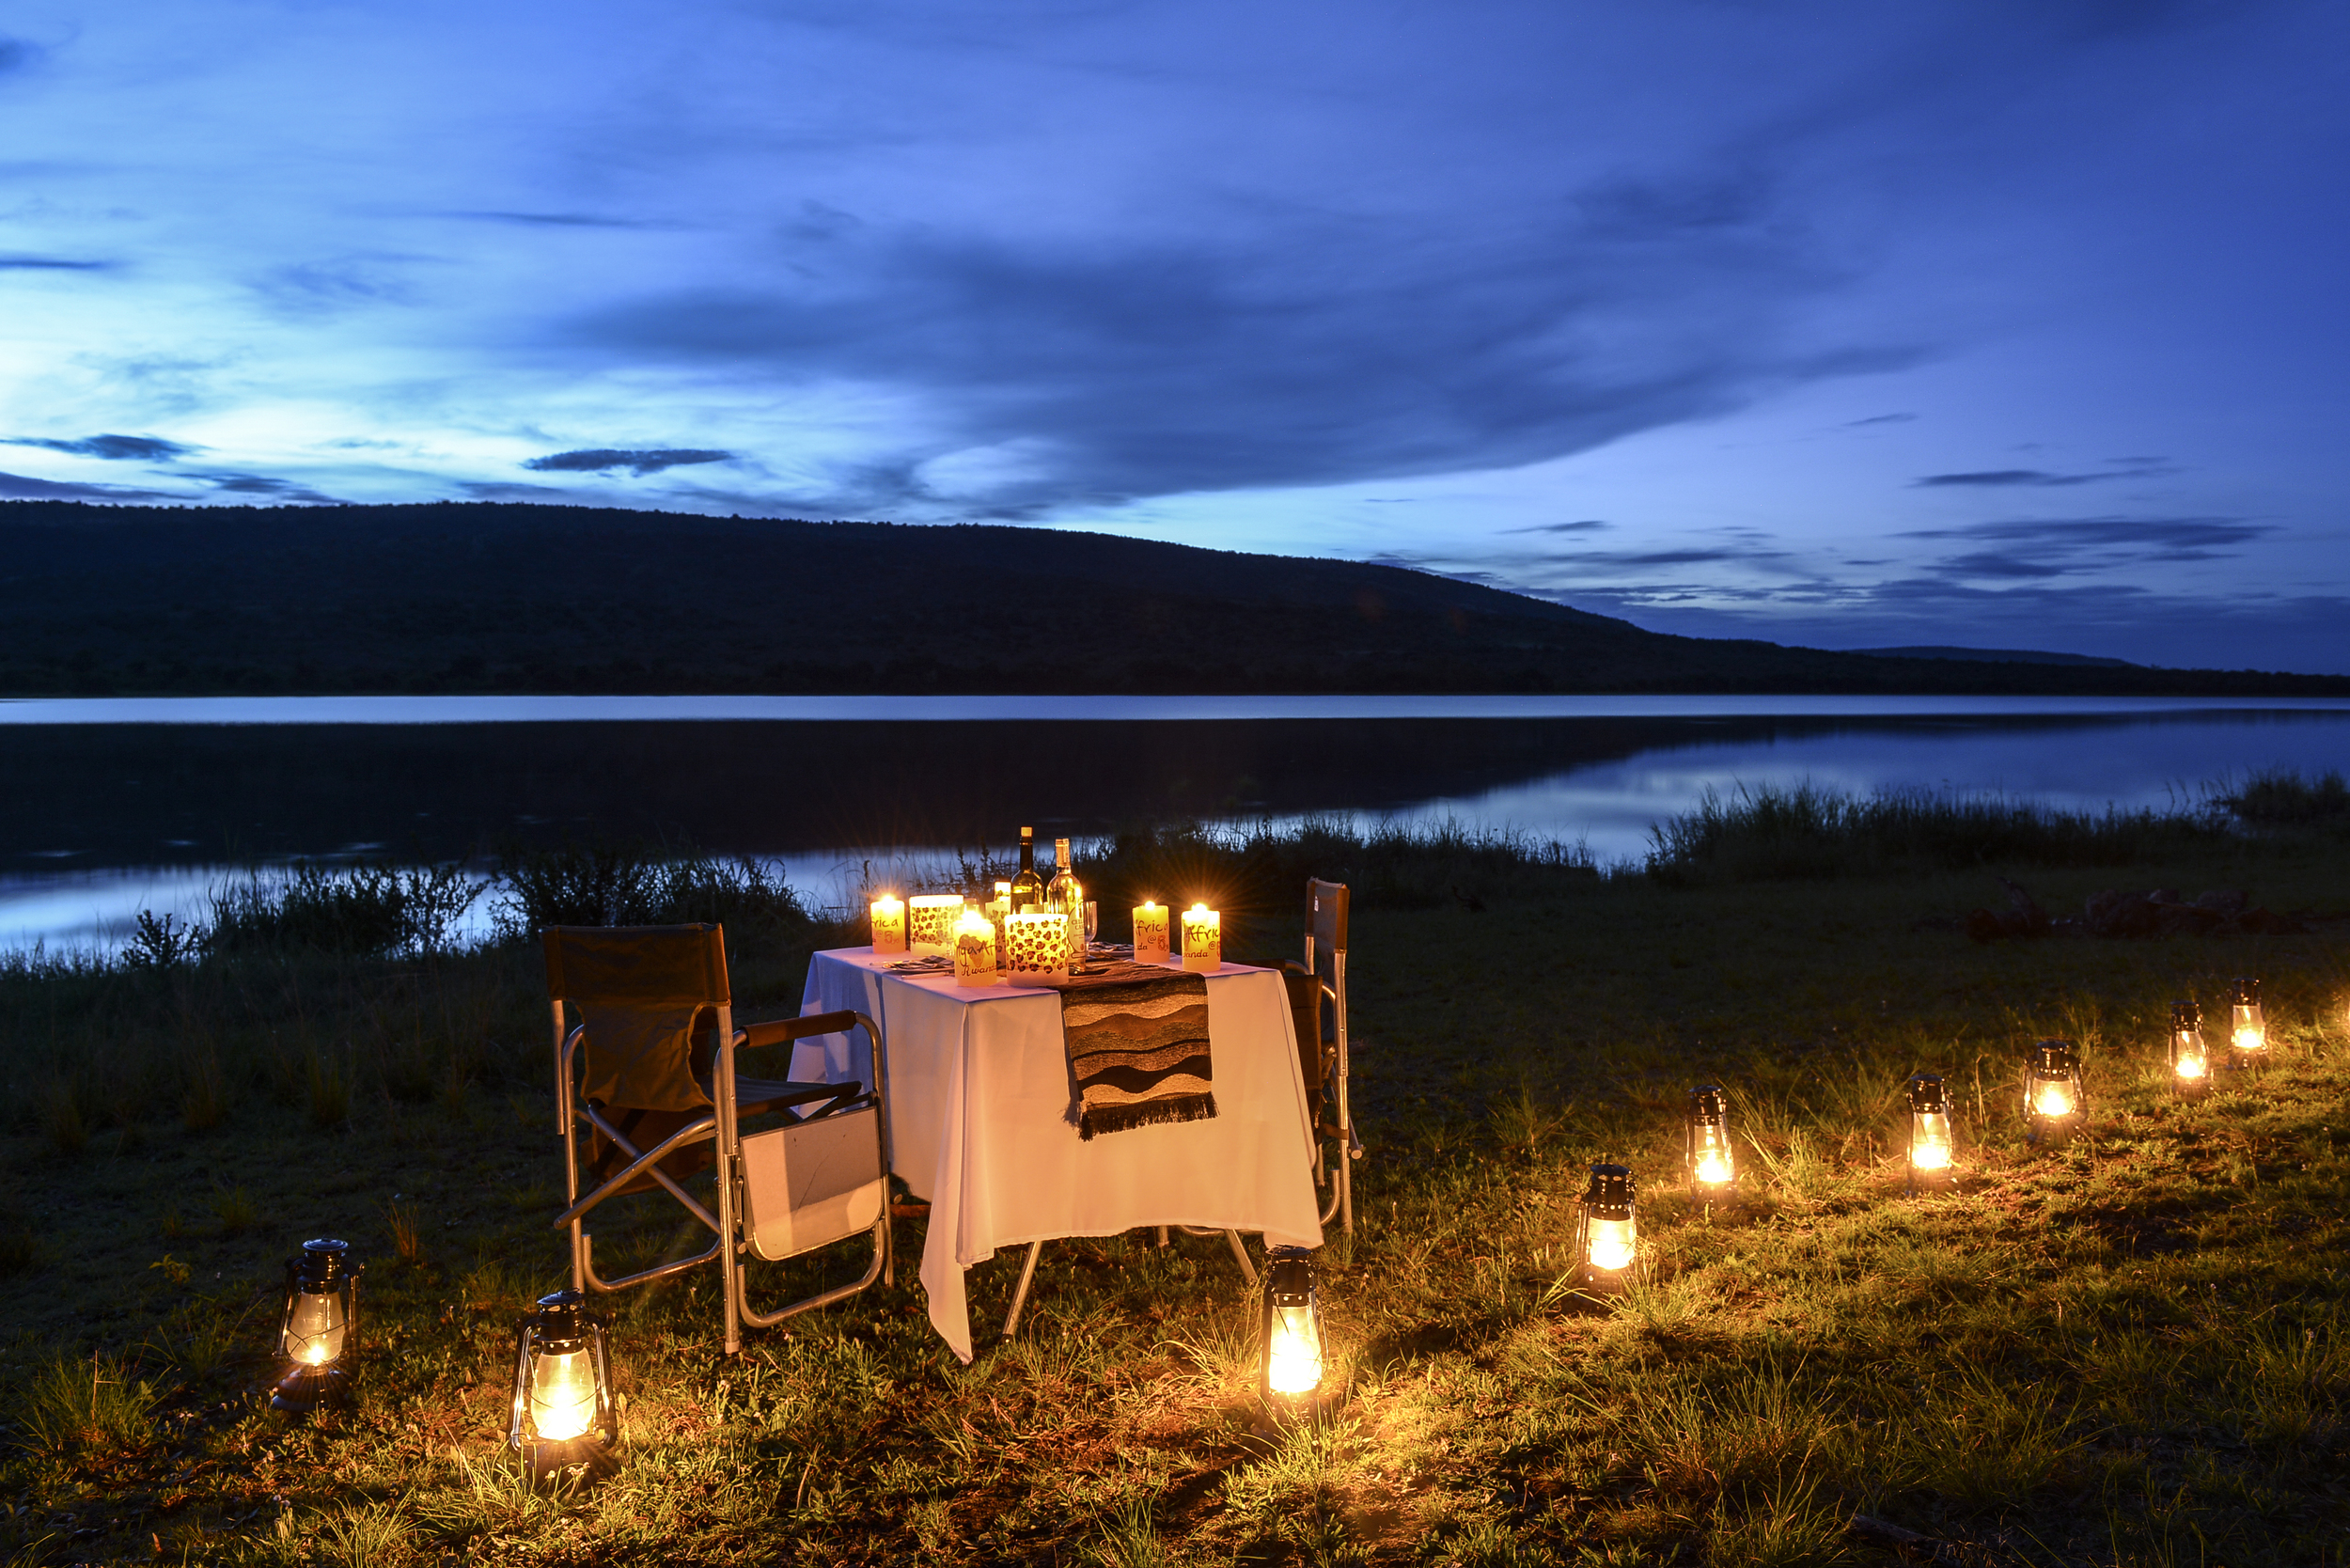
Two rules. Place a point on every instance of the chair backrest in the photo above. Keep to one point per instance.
(645, 993)
(1325, 924)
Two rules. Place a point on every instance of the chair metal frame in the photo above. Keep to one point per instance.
(1326, 908)
(721, 1126)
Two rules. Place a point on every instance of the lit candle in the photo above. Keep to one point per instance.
(1150, 933)
(974, 948)
(1037, 945)
(1204, 938)
(889, 924)
(2190, 1060)
(930, 920)
(998, 911)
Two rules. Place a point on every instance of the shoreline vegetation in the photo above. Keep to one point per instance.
(491, 597)
(2125, 1350)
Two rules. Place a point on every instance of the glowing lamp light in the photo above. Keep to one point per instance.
(1930, 1149)
(1204, 938)
(2247, 1034)
(889, 924)
(321, 1311)
(2190, 1059)
(1291, 1354)
(2055, 1103)
(563, 1412)
(1150, 931)
(1607, 1240)
(1712, 1167)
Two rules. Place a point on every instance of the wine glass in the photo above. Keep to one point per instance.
(1093, 922)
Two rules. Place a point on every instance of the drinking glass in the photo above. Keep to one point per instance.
(1093, 922)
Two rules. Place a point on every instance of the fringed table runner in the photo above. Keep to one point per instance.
(1138, 1044)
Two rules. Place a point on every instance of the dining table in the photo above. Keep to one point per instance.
(981, 1125)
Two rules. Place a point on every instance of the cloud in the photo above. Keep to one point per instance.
(113, 448)
(1236, 357)
(263, 484)
(1880, 419)
(598, 460)
(2050, 547)
(1588, 526)
(20, 487)
(562, 220)
(52, 264)
(17, 55)
(2005, 477)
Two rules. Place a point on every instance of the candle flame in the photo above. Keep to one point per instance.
(2191, 1067)
(2251, 1037)
(1712, 1169)
(1930, 1156)
(1201, 908)
(2054, 1100)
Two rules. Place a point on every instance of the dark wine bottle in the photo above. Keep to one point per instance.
(1027, 888)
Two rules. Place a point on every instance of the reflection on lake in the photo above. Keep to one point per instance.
(100, 819)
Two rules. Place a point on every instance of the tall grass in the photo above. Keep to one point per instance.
(1772, 833)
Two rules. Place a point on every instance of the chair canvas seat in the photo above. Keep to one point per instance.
(647, 1073)
(812, 1183)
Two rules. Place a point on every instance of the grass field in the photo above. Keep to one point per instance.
(2129, 1351)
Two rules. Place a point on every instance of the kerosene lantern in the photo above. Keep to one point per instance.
(1712, 1169)
(1606, 1239)
(563, 1410)
(1289, 1354)
(2247, 1033)
(2055, 1105)
(1931, 1152)
(314, 1332)
(2190, 1059)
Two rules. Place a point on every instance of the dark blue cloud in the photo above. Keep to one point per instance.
(1137, 369)
(264, 484)
(1588, 526)
(54, 264)
(599, 460)
(1995, 478)
(2052, 546)
(561, 220)
(114, 449)
(17, 55)
(19, 487)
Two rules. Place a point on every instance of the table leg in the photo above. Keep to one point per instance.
(1020, 1296)
(1247, 1269)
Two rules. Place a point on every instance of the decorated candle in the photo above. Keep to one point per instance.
(930, 923)
(1204, 938)
(998, 911)
(974, 948)
(1150, 933)
(1036, 945)
(889, 924)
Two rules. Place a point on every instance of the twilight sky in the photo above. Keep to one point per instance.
(2001, 322)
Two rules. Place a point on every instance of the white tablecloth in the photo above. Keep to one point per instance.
(979, 1107)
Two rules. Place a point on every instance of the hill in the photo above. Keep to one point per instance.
(495, 597)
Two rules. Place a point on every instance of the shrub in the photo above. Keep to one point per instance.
(369, 911)
(1768, 832)
(2280, 797)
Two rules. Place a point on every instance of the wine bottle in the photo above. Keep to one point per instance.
(1064, 898)
(1027, 888)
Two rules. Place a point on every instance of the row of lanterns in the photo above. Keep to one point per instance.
(564, 1413)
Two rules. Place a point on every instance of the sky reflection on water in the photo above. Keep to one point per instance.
(57, 897)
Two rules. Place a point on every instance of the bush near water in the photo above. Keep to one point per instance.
(2127, 1352)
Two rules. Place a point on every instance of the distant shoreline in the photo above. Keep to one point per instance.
(524, 708)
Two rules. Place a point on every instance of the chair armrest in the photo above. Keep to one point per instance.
(780, 1031)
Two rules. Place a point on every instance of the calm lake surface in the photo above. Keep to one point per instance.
(111, 806)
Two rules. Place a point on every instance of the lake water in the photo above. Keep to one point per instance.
(108, 807)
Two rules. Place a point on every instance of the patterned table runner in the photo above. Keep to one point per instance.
(1137, 1042)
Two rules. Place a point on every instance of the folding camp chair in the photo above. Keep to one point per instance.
(643, 1069)
(1322, 1045)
